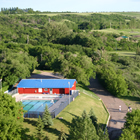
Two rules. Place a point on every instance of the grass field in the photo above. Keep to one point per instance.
(126, 32)
(137, 72)
(60, 13)
(123, 53)
(132, 101)
(82, 102)
(132, 14)
(36, 72)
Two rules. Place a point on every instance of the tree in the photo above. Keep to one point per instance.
(40, 126)
(79, 67)
(47, 119)
(54, 31)
(93, 117)
(62, 135)
(113, 81)
(101, 134)
(11, 118)
(82, 128)
(131, 129)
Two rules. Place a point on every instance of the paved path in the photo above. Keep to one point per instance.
(46, 75)
(112, 103)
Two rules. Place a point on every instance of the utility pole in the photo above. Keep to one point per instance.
(110, 25)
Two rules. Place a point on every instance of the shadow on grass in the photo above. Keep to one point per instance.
(83, 86)
(29, 121)
(65, 122)
(54, 131)
(132, 98)
(71, 114)
(24, 136)
(87, 89)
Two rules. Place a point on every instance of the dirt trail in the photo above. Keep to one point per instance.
(112, 103)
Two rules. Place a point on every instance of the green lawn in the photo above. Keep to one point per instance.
(123, 53)
(82, 102)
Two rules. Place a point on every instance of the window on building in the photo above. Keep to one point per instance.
(45, 89)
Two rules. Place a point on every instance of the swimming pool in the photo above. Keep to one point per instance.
(36, 106)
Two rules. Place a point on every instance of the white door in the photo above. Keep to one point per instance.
(40, 90)
(50, 90)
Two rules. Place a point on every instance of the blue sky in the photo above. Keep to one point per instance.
(74, 5)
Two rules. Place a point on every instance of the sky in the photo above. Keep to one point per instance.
(74, 5)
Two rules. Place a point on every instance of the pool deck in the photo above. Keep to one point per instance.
(52, 109)
(58, 103)
(21, 97)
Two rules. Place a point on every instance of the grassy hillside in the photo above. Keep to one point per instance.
(82, 102)
(127, 32)
(132, 14)
(123, 53)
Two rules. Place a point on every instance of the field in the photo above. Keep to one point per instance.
(82, 102)
(127, 32)
(132, 101)
(132, 14)
(60, 13)
(123, 53)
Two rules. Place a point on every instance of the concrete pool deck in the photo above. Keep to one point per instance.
(55, 109)
(21, 97)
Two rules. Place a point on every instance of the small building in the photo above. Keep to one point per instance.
(46, 86)
(122, 37)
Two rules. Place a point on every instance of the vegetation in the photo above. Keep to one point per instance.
(75, 46)
(93, 118)
(11, 114)
(132, 126)
(39, 129)
(83, 128)
(47, 119)
(62, 135)
(112, 80)
(74, 109)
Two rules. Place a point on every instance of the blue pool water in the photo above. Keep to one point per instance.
(37, 105)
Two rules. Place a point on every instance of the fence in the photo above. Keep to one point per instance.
(13, 92)
(56, 108)
(64, 103)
